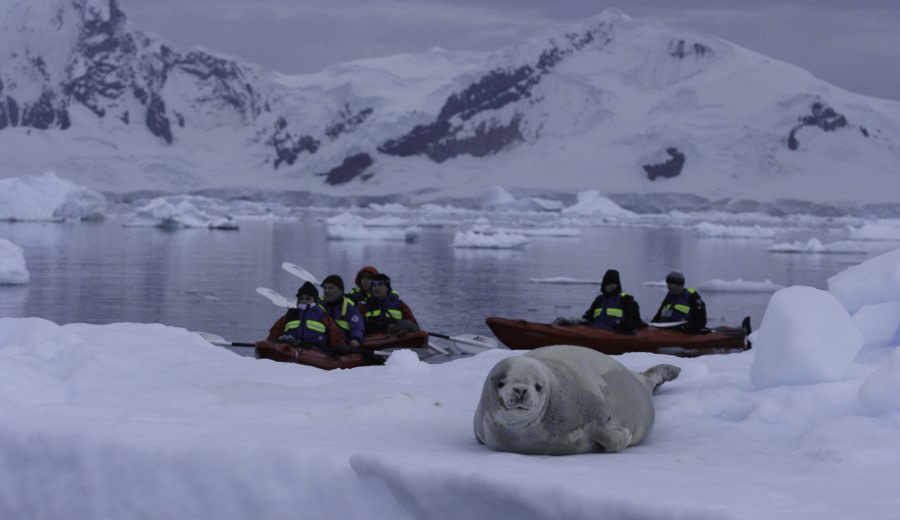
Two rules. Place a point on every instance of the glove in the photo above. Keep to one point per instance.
(564, 321)
(287, 338)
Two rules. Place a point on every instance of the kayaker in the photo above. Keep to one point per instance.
(681, 304)
(614, 309)
(308, 325)
(384, 311)
(363, 283)
(343, 311)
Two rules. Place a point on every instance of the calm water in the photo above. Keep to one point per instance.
(205, 280)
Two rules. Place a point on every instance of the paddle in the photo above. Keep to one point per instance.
(217, 340)
(300, 272)
(474, 340)
(275, 297)
(667, 324)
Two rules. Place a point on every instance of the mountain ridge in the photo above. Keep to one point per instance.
(610, 104)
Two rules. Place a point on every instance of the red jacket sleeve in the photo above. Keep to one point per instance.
(277, 329)
(407, 313)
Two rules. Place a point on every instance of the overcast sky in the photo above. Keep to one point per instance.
(854, 44)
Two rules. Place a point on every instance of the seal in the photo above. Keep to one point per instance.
(564, 399)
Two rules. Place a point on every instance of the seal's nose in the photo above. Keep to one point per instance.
(516, 396)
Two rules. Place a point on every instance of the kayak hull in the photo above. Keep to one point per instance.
(285, 353)
(527, 335)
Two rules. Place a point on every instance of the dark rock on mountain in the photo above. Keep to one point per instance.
(668, 169)
(347, 121)
(822, 116)
(287, 146)
(351, 168)
(467, 123)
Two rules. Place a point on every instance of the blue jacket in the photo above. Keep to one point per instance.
(307, 326)
(687, 306)
(348, 318)
(617, 311)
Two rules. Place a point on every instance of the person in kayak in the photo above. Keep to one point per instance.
(343, 311)
(681, 304)
(614, 309)
(363, 285)
(308, 325)
(384, 311)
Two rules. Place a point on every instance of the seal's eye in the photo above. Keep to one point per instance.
(538, 387)
(501, 384)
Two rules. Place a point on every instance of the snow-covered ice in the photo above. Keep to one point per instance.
(134, 420)
(12, 264)
(887, 229)
(814, 245)
(473, 239)
(714, 230)
(48, 197)
(179, 212)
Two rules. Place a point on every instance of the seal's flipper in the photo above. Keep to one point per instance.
(613, 437)
(661, 373)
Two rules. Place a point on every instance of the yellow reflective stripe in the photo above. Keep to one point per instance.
(315, 326)
(343, 324)
(615, 313)
(394, 313)
(684, 309)
(374, 313)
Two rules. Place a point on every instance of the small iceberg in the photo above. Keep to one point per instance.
(478, 240)
(815, 246)
(48, 198)
(180, 212)
(12, 264)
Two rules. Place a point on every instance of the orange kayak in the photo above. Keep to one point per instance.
(527, 335)
(283, 352)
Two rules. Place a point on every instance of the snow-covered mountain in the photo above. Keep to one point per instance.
(656, 118)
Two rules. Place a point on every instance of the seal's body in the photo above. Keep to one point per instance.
(564, 399)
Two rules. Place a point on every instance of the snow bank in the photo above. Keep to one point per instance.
(806, 337)
(879, 323)
(875, 281)
(879, 391)
(47, 197)
(12, 264)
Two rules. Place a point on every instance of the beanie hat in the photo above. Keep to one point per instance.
(675, 277)
(334, 280)
(381, 277)
(611, 276)
(309, 289)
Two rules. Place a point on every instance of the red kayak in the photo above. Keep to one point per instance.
(329, 360)
(527, 335)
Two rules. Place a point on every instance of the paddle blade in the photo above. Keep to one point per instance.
(300, 272)
(474, 343)
(274, 297)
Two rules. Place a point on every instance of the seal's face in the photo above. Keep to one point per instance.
(521, 390)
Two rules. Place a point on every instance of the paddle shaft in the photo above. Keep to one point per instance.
(460, 340)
